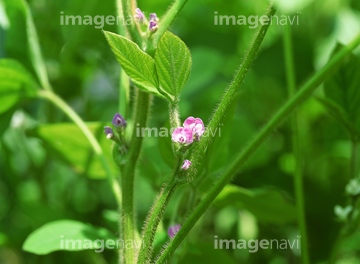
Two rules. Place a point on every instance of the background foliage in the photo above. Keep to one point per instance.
(47, 171)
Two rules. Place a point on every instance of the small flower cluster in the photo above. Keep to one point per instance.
(119, 124)
(192, 129)
(153, 20)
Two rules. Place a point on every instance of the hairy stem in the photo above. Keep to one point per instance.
(132, 30)
(295, 138)
(50, 96)
(304, 92)
(128, 219)
(228, 98)
(154, 217)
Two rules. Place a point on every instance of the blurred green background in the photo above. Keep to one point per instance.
(46, 170)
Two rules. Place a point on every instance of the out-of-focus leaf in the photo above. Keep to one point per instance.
(18, 8)
(173, 63)
(338, 113)
(68, 141)
(137, 64)
(15, 84)
(292, 6)
(343, 89)
(267, 205)
(66, 235)
(166, 150)
(206, 253)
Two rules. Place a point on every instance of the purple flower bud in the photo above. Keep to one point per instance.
(108, 132)
(186, 164)
(182, 135)
(118, 121)
(153, 17)
(139, 15)
(153, 26)
(172, 231)
(196, 125)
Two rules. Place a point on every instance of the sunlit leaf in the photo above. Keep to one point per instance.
(267, 205)
(70, 144)
(66, 235)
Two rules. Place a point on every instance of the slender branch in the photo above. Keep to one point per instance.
(154, 217)
(228, 98)
(287, 109)
(295, 138)
(56, 100)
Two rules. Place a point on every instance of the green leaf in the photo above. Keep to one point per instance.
(15, 84)
(21, 21)
(66, 235)
(173, 63)
(343, 90)
(268, 205)
(67, 141)
(137, 64)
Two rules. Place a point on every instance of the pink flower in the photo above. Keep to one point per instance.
(196, 125)
(186, 164)
(182, 135)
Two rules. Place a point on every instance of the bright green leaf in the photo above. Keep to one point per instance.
(69, 142)
(66, 235)
(343, 89)
(15, 84)
(267, 205)
(137, 64)
(173, 63)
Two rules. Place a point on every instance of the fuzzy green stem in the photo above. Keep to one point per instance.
(132, 30)
(295, 138)
(165, 22)
(228, 98)
(287, 109)
(128, 219)
(174, 118)
(154, 217)
(56, 100)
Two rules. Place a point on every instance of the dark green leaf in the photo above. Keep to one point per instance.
(338, 113)
(173, 63)
(15, 83)
(343, 89)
